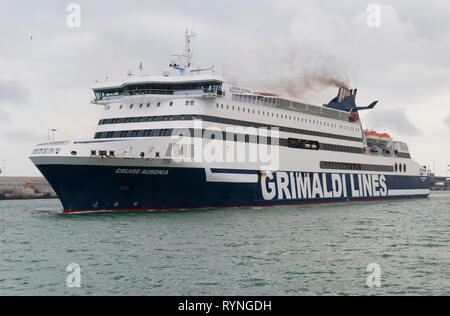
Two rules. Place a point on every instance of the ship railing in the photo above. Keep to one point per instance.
(149, 91)
(61, 143)
(280, 103)
(198, 92)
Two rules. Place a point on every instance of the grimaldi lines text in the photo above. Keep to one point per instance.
(190, 139)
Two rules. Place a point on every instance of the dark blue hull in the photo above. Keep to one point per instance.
(97, 188)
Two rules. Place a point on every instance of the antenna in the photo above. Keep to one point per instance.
(190, 34)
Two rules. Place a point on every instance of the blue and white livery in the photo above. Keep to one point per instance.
(189, 139)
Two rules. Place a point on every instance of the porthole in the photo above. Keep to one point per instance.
(73, 153)
(120, 107)
(404, 168)
(396, 167)
(131, 106)
(171, 103)
(401, 168)
(140, 106)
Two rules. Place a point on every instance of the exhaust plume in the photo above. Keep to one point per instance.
(299, 85)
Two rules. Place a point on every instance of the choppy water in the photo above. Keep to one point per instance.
(317, 250)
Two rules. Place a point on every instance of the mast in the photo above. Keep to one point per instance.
(190, 34)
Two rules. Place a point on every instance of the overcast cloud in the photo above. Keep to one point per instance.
(393, 120)
(12, 92)
(447, 121)
(283, 45)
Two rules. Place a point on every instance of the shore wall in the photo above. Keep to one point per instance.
(25, 188)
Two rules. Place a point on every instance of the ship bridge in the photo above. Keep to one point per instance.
(204, 85)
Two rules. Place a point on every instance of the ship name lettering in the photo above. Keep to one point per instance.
(311, 186)
(151, 172)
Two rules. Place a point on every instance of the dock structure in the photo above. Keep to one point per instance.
(440, 183)
(18, 188)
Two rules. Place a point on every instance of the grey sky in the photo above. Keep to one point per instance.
(447, 121)
(45, 81)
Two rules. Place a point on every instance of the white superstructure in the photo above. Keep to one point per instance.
(226, 132)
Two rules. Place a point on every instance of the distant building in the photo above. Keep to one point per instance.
(440, 183)
(25, 187)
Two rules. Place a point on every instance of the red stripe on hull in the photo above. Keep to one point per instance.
(236, 206)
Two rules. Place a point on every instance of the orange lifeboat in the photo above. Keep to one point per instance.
(373, 133)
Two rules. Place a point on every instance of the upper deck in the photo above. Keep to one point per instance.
(201, 85)
(210, 86)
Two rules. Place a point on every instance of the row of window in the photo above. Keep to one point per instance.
(404, 155)
(226, 136)
(259, 112)
(303, 144)
(354, 166)
(400, 167)
(289, 117)
(156, 88)
(148, 105)
(220, 120)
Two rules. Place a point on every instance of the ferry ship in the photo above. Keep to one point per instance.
(189, 139)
